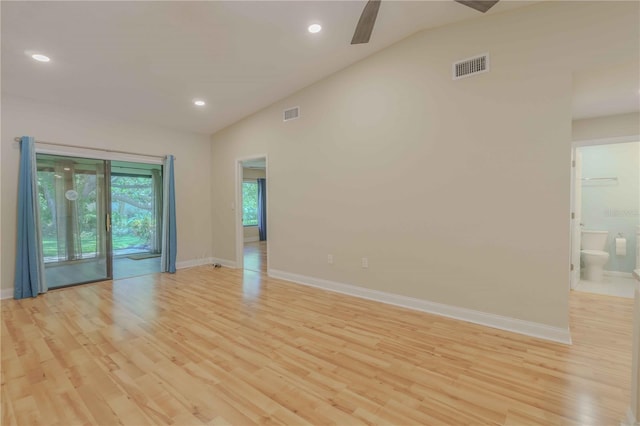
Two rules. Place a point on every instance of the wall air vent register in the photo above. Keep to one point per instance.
(471, 66)
(291, 114)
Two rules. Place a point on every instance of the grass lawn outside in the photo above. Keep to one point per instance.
(50, 245)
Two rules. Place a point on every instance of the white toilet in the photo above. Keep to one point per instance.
(593, 255)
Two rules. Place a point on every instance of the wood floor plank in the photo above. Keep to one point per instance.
(220, 346)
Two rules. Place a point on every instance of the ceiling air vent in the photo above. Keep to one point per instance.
(471, 66)
(291, 114)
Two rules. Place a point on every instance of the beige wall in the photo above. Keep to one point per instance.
(57, 124)
(253, 173)
(606, 127)
(456, 191)
(251, 232)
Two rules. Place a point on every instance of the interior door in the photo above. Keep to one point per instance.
(576, 222)
(74, 210)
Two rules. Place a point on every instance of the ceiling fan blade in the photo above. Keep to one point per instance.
(366, 22)
(479, 5)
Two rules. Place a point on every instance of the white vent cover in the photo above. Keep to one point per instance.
(471, 66)
(291, 114)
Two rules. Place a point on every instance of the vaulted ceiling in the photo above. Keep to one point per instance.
(610, 90)
(148, 61)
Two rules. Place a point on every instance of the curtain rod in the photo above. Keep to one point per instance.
(18, 139)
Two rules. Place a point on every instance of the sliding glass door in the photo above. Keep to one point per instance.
(74, 200)
(100, 219)
(136, 203)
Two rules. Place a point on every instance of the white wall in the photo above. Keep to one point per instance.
(57, 124)
(456, 191)
(606, 127)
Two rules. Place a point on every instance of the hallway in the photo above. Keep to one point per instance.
(255, 256)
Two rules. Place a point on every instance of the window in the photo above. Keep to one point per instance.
(249, 203)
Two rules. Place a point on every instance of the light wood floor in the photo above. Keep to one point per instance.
(255, 256)
(219, 346)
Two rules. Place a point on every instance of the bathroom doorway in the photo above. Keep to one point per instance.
(605, 217)
(252, 235)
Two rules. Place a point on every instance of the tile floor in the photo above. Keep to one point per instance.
(610, 285)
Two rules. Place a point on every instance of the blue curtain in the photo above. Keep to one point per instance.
(169, 235)
(262, 209)
(29, 278)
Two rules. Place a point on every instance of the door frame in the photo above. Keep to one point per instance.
(108, 212)
(574, 146)
(107, 157)
(237, 207)
(106, 198)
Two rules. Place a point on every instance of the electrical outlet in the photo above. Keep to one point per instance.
(365, 262)
(330, 259)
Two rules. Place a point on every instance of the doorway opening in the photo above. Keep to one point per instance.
(252, 235)
(605, 236)
(100, 219)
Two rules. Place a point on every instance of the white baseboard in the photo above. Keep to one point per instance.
(534, 329)
(251, 239)
(194, 262)
(618, 274)
(205, 261)
(6, 293)
(224, 262)
(630, 419)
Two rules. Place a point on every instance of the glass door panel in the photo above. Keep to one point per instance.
(136, 205)
(74, 215)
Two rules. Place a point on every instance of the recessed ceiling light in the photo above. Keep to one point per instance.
(314, 28)
(199, 103)
(40, 58)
